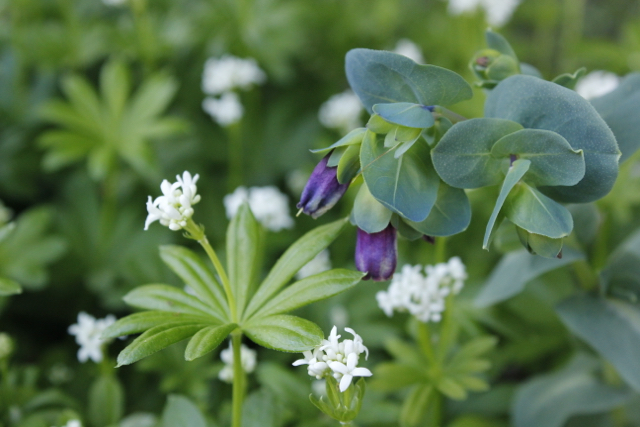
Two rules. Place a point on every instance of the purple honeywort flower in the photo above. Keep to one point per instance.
(322, 190)
(376, 253)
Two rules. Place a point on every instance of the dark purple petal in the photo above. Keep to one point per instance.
(430, 239)
(322, 190)
(376, 253)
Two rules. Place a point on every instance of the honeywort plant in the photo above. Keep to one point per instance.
(229, 301)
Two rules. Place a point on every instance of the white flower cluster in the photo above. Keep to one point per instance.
(247, 359)
(498, 11)
(341, 111)
(597, 83)
(268, 204)
(338, 359)
(72, 423)
(220, 77)
(423, 295)
(88, 333)
(409, 49)
(174, 207)
(318, 264)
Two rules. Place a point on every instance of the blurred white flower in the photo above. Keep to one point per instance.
(268, 204)
(247, 359)
(409, 49)
(72, 423)
(225, 110)
(335, 358)
(114, 3)
(88, 333)
(596, 84)
(318, 264)
(297, 180)
(229, 72)
(174, 207)
(341, 111)
(423, 295)
(498, 12)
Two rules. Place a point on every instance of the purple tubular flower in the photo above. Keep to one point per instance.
(376, 253)
(322, 190)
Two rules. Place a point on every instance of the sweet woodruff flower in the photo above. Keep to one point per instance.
(174, 207)
(376, 253)
(337, 359)
(318, 264)
(225, 110)
(247, 358)
(423, 295)
(88, 332)
(596, 84)
(229, 72)
(341, 112)
(268, 204)
(322, 190)
(409, 49)
(498, 11)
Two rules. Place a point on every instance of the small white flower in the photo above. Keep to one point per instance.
(596, 84)
(174, 207)
(88, 333)
(348, 371)
(248, 361)
(318, 264)
(225, 110)
(409, 49)
(341, 111)
(498, 12)
(229, 72)
(268, 204)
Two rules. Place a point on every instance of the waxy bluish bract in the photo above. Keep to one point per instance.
(322, 190)
(377, 254)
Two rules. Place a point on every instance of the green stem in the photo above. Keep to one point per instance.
(235, 157)
(223, 276)
(424, 340)
(441, 249)
(238, 381)
(448, 330)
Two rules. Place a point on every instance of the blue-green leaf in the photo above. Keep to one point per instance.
(451, 214)
(463, 157)
(538, 104)
(621, 276)
(497, 42)
(369, 214)
(379, 77)
(284, 332)
(353, 137)
(515, 173)
(405, 114)
(517, 268)
(407, 185)
(553, 161)
(611, 327)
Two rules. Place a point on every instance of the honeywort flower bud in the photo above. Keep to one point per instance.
(322, 190)
(376, 253)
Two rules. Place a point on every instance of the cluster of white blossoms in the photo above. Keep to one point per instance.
(597, 83)
(247, 359)
(341, 112)
(337, 359)
(88, 332)
(409, 49)
(175, 206)
(72, 423)
(318, 264)
(498, 11)
(268, 204)
(222, 76)
(423, 295)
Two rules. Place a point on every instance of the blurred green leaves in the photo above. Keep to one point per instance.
(112, 125)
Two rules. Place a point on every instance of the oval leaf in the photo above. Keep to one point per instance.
(106, 401)
(383, 77)
(405, 114)
(284, 333)
(369, 214)
(538, 104)
(451, 214)
(167, 298)
(206, 340)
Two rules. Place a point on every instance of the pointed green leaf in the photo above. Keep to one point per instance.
(537, 244)
(180, 411)
(156, 339)
(377, 124)
(451, 214)
(369, 214)
(515, 173)
(139, 322)
(9, 287)
(114, 86)
(294, 258)
(538, 104)
(190, 268)
(497, 42)
(311, 289)
(284, 332)
(407, 186)
(349, 164)
(379, 77)
(167, 298)
(553, 161)
(405, 114)
(528, 208)
(451, 388)
(151, 99)
(244, 255)
(106, 401)
(353, 137)
(416, 405)
(84, 99)
(463, 157)
(611, 327)
(569, 80)
(206, 340)
(405, 230)
(390, 377)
